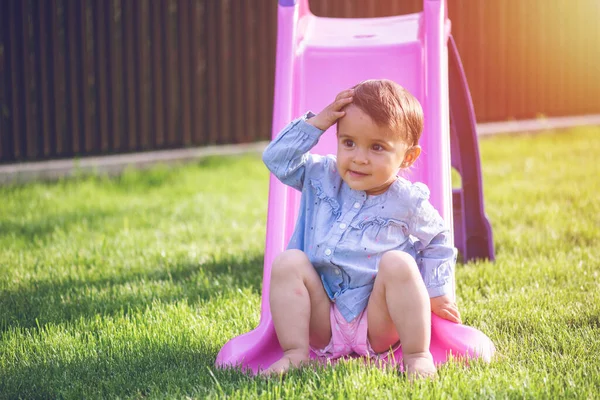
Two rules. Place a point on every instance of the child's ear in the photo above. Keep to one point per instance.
(411, 155)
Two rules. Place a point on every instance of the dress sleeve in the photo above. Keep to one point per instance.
(436, 256)
(288, 156)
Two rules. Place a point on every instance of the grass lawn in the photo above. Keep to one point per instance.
(128, 287)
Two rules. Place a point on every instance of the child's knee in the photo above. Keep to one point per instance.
(398, 265)
(288, 262)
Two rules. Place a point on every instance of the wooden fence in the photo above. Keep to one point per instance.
(93, 77)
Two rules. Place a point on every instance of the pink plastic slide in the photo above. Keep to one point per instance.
(317, 58)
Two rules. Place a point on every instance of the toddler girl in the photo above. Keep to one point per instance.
(370, 258)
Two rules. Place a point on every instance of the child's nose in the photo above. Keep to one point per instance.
(360, 157)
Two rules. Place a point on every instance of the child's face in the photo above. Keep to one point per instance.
(368, 156)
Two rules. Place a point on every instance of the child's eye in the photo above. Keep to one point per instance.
(348, 143)
(377, 147)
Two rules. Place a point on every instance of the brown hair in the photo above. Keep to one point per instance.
(390, 105)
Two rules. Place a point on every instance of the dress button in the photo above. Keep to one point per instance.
(337, 272)
(328, 252)
(343, 226)
(357, 205)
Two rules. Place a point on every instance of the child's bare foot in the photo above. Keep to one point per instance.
(290, 359)
(419, 365)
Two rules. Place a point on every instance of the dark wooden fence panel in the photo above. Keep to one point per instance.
(94, 77)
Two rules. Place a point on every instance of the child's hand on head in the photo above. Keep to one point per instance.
(444, 307)
(333, 111)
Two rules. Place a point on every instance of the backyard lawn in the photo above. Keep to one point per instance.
(129, 286)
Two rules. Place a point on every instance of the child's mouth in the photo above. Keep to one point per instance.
(357, 174)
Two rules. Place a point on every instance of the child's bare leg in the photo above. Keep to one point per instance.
(399, 308)
(300, 309)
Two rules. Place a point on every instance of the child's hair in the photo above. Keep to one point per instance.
(390, 105)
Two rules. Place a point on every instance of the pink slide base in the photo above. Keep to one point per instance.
(259, 348)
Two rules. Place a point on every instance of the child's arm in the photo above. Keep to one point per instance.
(437, 255)
(287, 157)
(440, 271)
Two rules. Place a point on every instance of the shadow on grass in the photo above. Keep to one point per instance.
(179, 368)
(176, 369)
(43, 302)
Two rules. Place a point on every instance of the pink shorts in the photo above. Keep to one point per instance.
(347, 337)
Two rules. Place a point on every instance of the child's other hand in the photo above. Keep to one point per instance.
(332, 112)
(444, 307)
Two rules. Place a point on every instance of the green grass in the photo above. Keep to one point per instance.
(128, 287)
